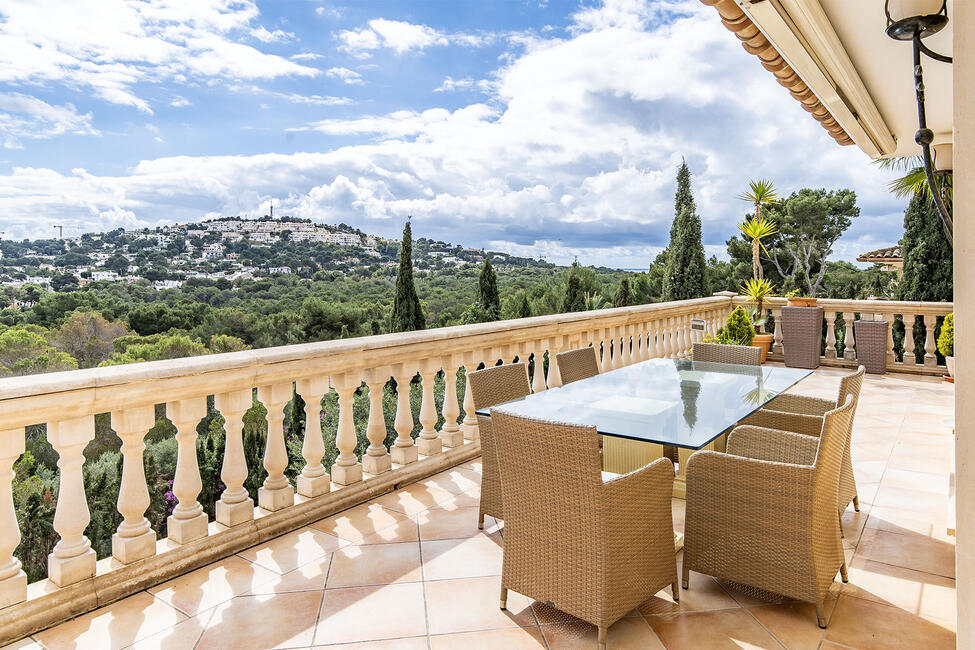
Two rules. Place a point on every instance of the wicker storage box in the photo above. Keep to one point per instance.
(802, 336)
(871, 344)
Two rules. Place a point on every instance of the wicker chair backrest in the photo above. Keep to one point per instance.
(722, 353)
(498, 384)
(577, 364)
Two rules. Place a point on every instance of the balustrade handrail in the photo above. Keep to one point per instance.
(862, 306)
(74, 393)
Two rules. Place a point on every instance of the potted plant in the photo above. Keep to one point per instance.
(757, 290)
(797, 298)
(946, 343)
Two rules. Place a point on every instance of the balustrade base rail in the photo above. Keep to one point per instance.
(911, 369)
(47, 604)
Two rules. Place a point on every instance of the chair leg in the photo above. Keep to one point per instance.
(504, 598)
(843, 573)
(601, 638)
(821, 615)
(856, 503)
(675, 591)
(480, 520)
(685, 575)
(840, 518)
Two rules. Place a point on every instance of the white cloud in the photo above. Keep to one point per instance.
(348, 76)
(319, 100)
(109, 47)
(264, 35)
(402, 37)
(24, 116)
(573, 153)
(179, 102)
(450, 84)
(306, 56)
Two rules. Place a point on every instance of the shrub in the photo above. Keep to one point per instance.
(946, 340)
(738, 329)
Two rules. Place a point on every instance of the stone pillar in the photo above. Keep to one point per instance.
(347, 468)
(450, 434)
(849, 340)
(13, 581)
(404, 451)
(831, 335)
(276, 493)
(909, 346)
(188, 521)
(73, 559)
(314, 480)
(429, 442)
(376, 459)
(135, 539)
(235, 506)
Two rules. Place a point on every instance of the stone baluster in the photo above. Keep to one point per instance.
(314, 479)
(554, 378)
(680, 344)
(848, 340)
(910, 346)
(347, 469)
(930, 321)
(469, 424)
(627, 357)
(538, 376)
(13, 580)
(135, 538)
(429, 441)
(659, 346)
(831, 335)
(891, 353)
(611, 351)
(276, 493)
(235, 506)
(188, 521)
(450, 433)
(596, 340)
(376, 459)
(73, 559)
(404, 450)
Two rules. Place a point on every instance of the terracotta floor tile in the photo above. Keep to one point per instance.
(475, 465)
(517, 638)
(794, 624)
(116, 626)
(403, 531)
(448, 522)
(269, 621)
(462, 558)
(185, 634)
(861, 623)
(626, 634)
(411, 643)
(912, 591)
(414, 498)
(307, 577)
(376, 564)
(211, 585)
(869, 471)
(470, 604)
(729, 629)
(361, 521)
(371, 614)
(456, 480)
(704, 594)
(23, 644)
(290, 551)
(905, 479)
(910, 550)
(930, 524)
(896, 497)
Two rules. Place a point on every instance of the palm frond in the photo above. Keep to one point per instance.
(760, 192)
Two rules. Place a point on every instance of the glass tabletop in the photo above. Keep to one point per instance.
(665, 401)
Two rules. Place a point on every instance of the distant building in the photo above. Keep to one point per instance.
(104, 276)
(344, 239)
(212, 251)
(890, 258)
(279, 269)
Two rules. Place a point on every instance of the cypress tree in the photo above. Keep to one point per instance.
(623, 297)
(575, 297)
(927, 274)
(685, 275)
(522, 308)
(487, 291)
(407, 312)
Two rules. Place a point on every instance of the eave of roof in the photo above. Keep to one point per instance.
(755, 43)
(888, 255)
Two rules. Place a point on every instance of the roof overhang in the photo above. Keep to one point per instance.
(841, 63)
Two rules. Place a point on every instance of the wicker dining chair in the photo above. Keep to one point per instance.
(577, 364)
(763, 514)
(593, 549)
(744, 355)
(489, 387)
(804, 414)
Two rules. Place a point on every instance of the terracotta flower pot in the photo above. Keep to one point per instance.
(762, 342)
(802, 302)
(950, 362)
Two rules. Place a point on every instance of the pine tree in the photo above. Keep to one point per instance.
(487, 291)
(927, 274)
(522, 308)
(407, 312)
(623, 296)
(685, 275)
(575, 296)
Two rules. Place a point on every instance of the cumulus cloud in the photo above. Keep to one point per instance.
(573, 154)
(265, 35)
(350, 77)
(402, 37)
(23, 116)
(179, 102)
(110, 47)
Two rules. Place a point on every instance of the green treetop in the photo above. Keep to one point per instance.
(575, 294)
(624, 295)
(487, 291)
(407, 312)
(685, 275)
(684, 198)
(927, 254)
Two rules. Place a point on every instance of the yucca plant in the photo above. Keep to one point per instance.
(757, 290)
(760, 193)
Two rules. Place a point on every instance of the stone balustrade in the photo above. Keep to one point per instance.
(66, 404)
(839, 344)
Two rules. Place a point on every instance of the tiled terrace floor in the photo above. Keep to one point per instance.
(411, 570)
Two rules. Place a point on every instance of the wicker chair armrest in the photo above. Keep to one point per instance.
(656, 477)
(807, 425)
(801, 404)
(774, 445)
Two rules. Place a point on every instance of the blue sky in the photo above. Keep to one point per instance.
(544, 128)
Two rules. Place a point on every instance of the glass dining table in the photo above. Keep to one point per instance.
(660, 407)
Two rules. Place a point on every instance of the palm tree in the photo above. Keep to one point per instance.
(914, 181)
(759, 193)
